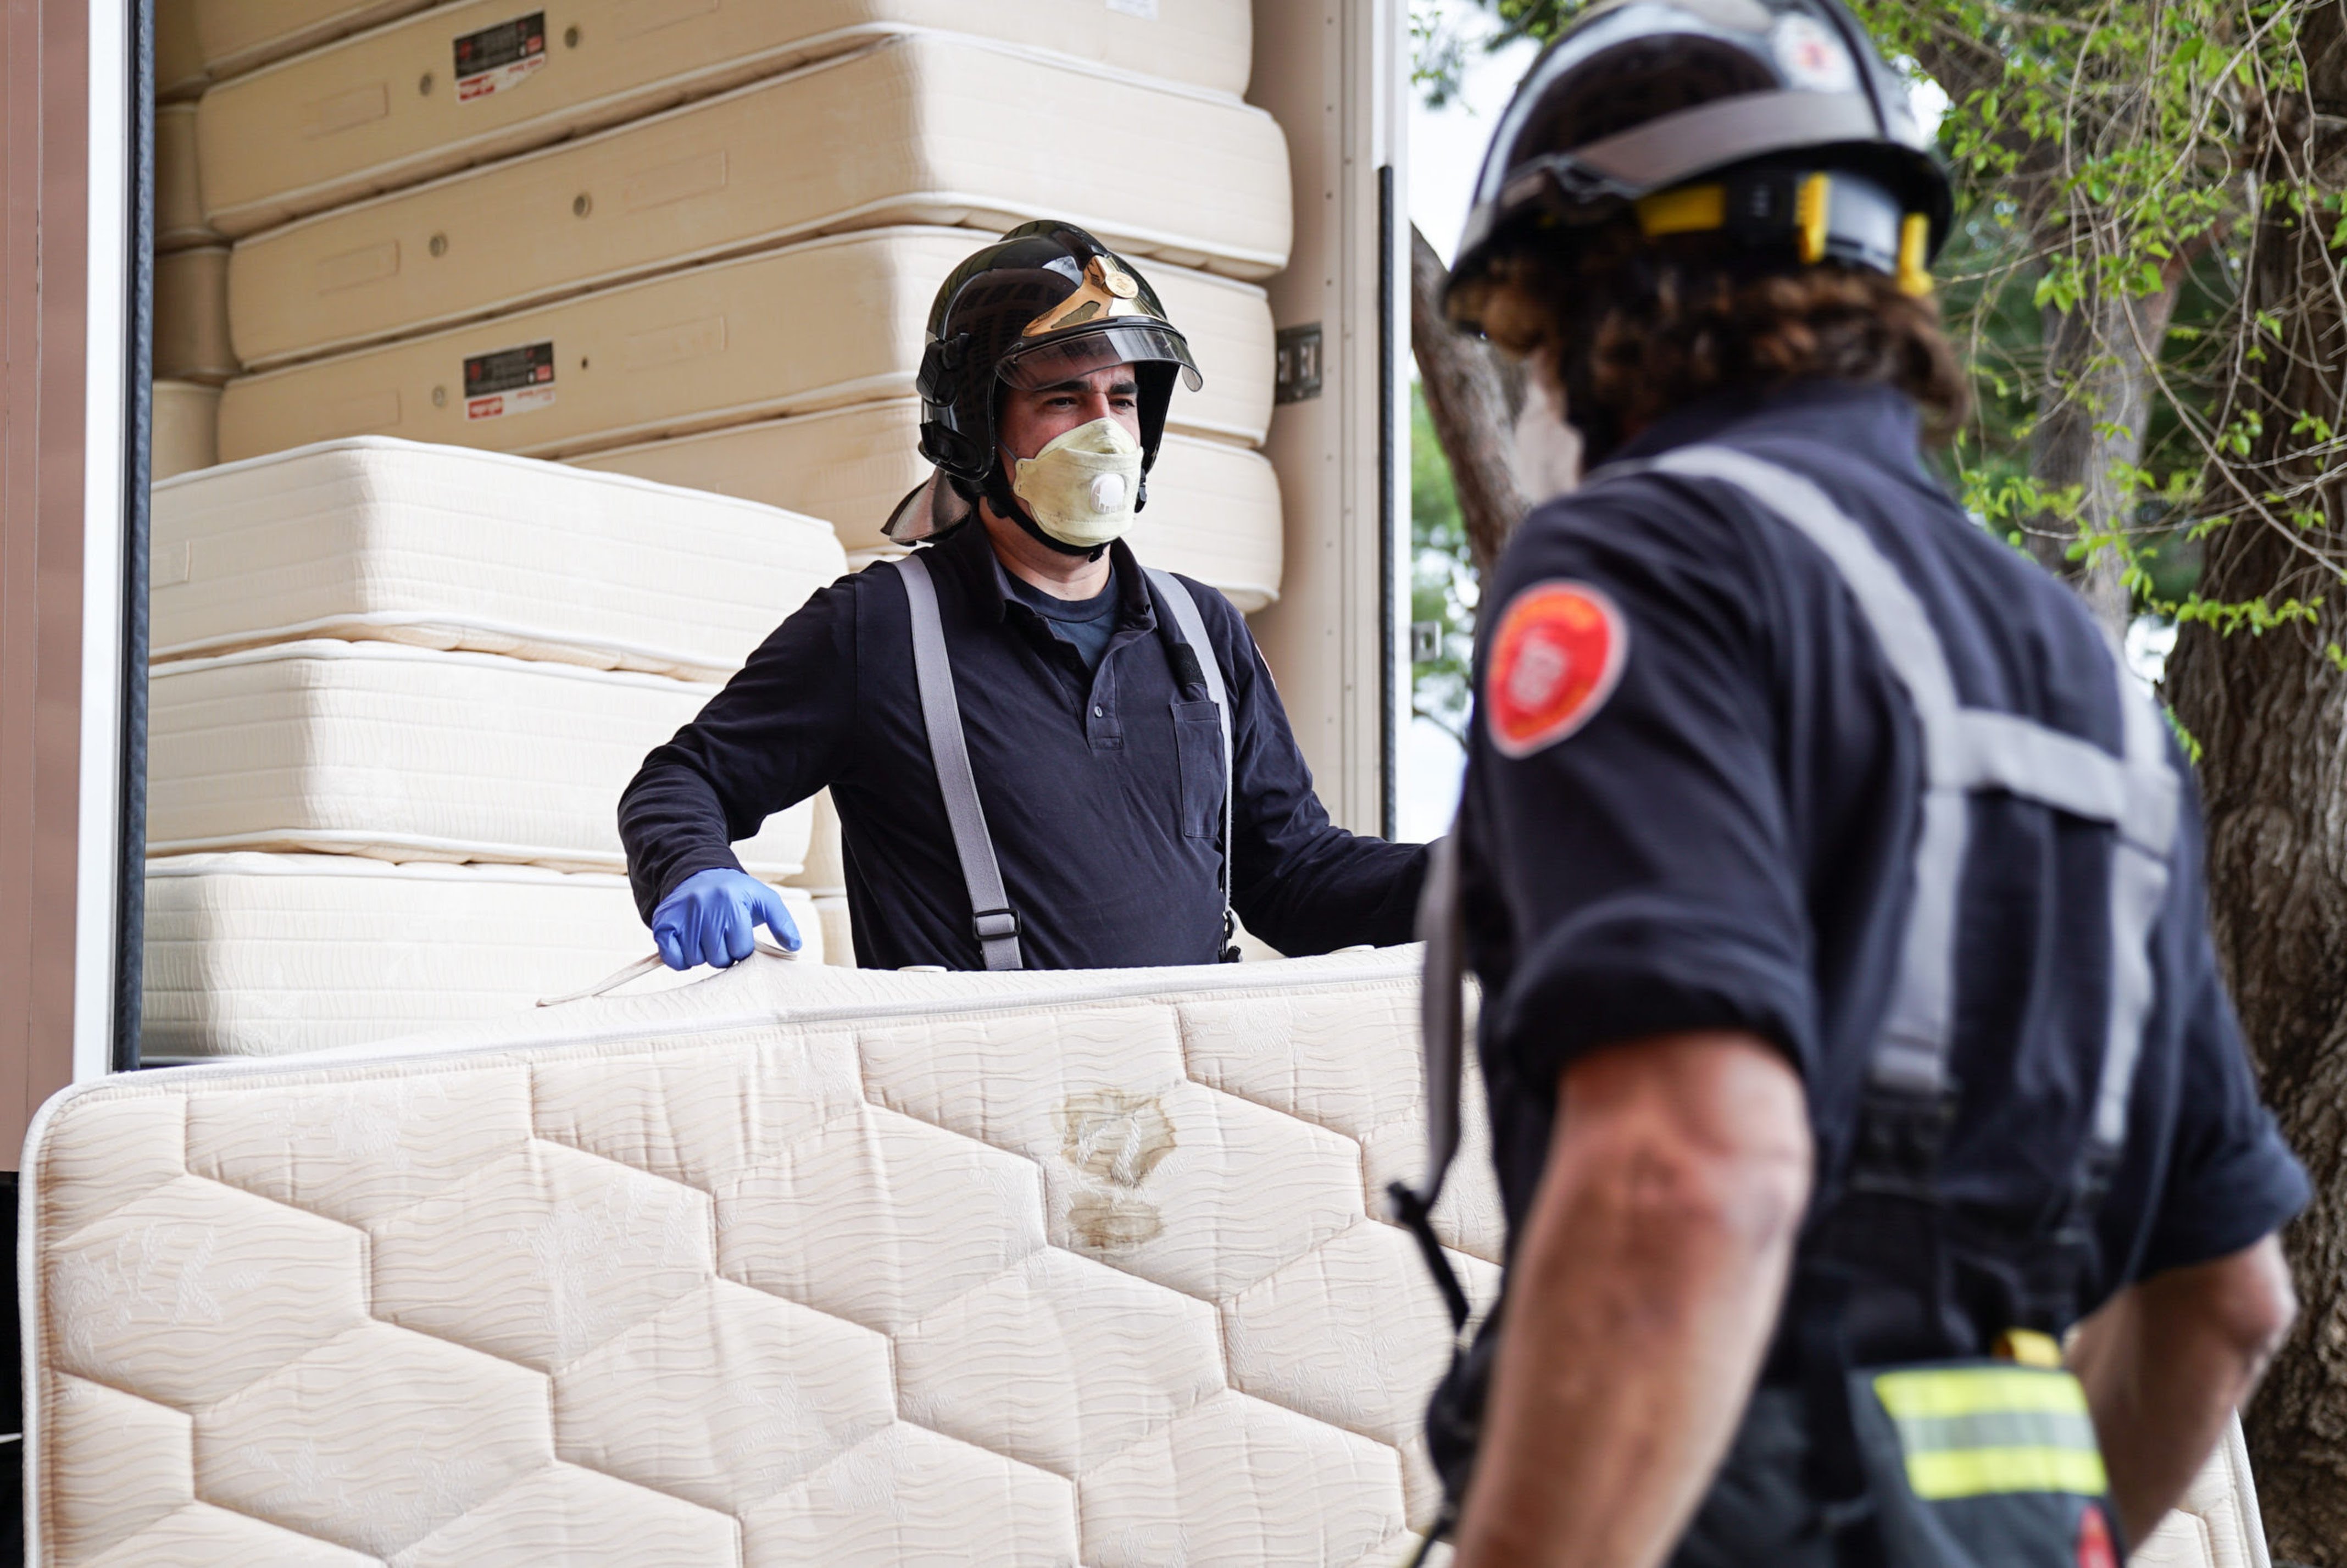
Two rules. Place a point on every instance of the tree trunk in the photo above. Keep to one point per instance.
(1469, 399)
(2269, 711)
(2094, 406)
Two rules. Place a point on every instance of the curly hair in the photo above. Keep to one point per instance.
(1636, 328)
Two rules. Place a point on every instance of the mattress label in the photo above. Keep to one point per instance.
(509, 381)
(499, 57)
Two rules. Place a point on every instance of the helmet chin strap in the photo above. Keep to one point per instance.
(999, 497)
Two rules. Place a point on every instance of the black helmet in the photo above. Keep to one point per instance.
(1044, 304)
(1804, 133)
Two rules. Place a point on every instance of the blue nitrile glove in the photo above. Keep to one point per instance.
(713, 917)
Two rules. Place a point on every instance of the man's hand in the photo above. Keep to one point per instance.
(1646, 1285)
(2168, 1360)
(713, 918)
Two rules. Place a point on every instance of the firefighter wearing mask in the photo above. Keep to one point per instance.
(1043, 755)
(1851, 1027)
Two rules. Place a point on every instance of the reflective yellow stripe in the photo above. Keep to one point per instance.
(1978, 1472)
(1689, 210)
(1926, 1392)
(1914, 240)
(1811, 205)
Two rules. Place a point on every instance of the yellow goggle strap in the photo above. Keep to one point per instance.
(1704, 209)
(1686, 210)
(1914, 246)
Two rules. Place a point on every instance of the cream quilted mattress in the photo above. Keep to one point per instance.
(795, 1265)
(817, 325)
(1214, 510)
(2218, 1525)
(464, 84)
(191, 335)
(409, 754)
(185, 434)
(264, 954)
(444, 547)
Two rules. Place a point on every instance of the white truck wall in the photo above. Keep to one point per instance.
(1336, 74)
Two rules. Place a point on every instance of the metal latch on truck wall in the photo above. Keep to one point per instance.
(1300, 363)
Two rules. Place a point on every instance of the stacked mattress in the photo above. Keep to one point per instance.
(262, 955)
(200, 41)
(184, 434)
(791, 1265)
(431, 94)
(398, 691)
(819, 325)
(192, 356)
(588, 232)
(929, 129)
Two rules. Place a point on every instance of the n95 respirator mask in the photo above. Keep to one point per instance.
(1081, 487)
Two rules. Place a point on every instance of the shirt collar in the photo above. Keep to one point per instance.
(969, 555)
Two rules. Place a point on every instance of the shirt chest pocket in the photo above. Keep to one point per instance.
(1198, 741)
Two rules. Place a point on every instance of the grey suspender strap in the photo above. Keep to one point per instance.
(1966, 751)
(992, 921)
(1193, 628)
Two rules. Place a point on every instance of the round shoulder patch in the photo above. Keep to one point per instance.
(1557, 657)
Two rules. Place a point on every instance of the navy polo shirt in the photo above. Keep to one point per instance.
(1088, 625)
(1725, 841)
(1102, 786)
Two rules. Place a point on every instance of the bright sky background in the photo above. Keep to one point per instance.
(1446, 145)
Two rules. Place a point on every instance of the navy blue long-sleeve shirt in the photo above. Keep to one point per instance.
(1103, 790)
(1725, 841)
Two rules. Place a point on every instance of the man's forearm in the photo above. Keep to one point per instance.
(1642, 1298)
(2167, 1361)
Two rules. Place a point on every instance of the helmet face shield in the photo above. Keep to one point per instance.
(1062, 358)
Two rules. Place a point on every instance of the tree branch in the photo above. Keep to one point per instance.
(1468, 397)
